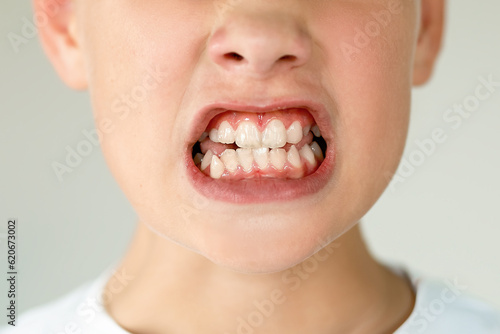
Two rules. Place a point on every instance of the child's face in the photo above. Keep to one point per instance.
(157, 68)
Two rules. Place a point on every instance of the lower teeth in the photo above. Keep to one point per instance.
(245, 162)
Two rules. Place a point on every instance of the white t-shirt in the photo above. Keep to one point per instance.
(440, 308)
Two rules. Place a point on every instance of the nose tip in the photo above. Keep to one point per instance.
(258, 45)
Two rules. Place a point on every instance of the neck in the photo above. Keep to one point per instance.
(341, 289)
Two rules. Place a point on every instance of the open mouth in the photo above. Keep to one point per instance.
(279, 144)
(244, 156)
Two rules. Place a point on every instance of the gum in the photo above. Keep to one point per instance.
(287, 116)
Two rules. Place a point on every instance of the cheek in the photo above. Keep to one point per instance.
(138, 73)
(371, 92)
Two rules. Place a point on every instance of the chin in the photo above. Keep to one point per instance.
(266, 244)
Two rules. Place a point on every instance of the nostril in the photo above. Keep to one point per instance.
(233, 56)
(288, 58)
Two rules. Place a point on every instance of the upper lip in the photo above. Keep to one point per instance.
(205, 114)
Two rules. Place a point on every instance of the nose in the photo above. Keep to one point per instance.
(259, 44)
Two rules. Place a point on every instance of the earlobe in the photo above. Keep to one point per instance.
(429, 39)
(59, 37)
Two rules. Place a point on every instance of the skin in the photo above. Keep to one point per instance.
(195, 256)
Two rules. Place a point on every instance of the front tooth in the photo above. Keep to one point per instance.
(307, 129)
(317, 151)
(261, 156)
(294, 133)
(226, 133)
(308, 154)
(315, 130)
(245, 158)
(214, 135)
(294, 157)
(207, 159)
(248, 136)
(216, 168)
(277, 157)
(274, 135)
(230, 160)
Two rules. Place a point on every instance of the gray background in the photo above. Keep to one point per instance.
(443, 220)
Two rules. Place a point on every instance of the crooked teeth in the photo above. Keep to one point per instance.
(216, 168)
(274, 135)
(198, 158)
(203, 136)
(317, 151)
(315, 131)
(294, 157)
(245, 158)
(277, 157)
(230, 160)
(248, 135)
(226, 134)
(214, 135)
(307, 153)
(306, 130)
(294, 133)
(261, 151)
(207, 159)
(261, 156)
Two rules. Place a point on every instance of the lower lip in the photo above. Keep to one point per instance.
(259, 190)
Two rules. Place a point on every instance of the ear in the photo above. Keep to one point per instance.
(429, 39)
(58, 33)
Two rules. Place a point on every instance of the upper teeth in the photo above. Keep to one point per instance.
(294, 133)
(274, 135)
(315, 130)
(247, 135)
(226, 133)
